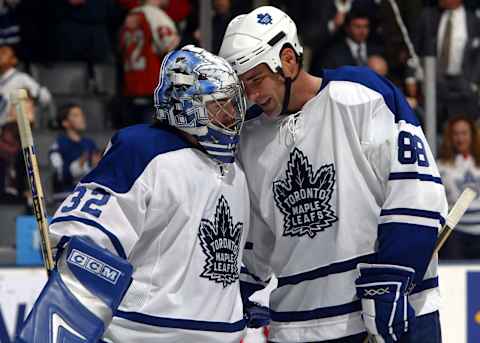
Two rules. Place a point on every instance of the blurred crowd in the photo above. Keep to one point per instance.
(131, 37)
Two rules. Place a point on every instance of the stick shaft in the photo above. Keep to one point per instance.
(33, 175)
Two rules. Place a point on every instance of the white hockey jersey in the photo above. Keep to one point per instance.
(456, 177)
(165, 206)
(348, 179)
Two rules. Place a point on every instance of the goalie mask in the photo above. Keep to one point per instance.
(199, 93)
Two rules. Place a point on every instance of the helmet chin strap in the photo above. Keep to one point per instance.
(288, 88)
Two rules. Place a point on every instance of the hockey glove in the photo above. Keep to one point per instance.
(82, 292)
(256, 315)
(383, 291)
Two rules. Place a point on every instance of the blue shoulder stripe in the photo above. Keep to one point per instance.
(114, 239)
(393, 97)
(131, 151)
(186, 324)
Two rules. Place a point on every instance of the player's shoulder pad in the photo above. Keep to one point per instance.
(130, 152)
(392, 96)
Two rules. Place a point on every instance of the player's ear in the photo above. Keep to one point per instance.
(289, 62)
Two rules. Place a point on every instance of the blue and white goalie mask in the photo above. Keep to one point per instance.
(200, 94)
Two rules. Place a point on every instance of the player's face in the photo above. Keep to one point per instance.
(450, 4)
(7, 58)
(222, 113)
(76, 119)
(265, 89)
(462, 137)
(358, 29)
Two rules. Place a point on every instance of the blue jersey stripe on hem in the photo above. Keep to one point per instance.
(334, 268)
(186, 324)
(115, 241)
(414, 176)
(319, 313)
(338, 310)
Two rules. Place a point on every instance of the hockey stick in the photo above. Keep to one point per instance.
(454, 216)
(19, 99)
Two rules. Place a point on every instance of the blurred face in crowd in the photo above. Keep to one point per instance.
(378, 64)
(462, 137)
(75, 120)
(221, 6)
(264, 88)
(7, 58)
(358, 29)
(450, 4)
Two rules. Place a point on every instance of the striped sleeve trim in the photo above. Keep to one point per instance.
(414, 176)
(114, 239)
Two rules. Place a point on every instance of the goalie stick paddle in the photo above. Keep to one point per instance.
(19, 98)
(454, 216)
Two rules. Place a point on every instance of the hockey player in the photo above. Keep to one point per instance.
(346, 197)
(154, 234)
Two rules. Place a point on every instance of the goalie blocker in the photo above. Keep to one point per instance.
(76, 305)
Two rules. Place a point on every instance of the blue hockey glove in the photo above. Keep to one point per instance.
(82, 292)
(256, 315)
(383, 290)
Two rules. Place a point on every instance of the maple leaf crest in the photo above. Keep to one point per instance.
(304, 196)
(220, 242)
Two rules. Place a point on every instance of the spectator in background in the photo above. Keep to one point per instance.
(459, 165)
(80, 30)
(378, 64)
(72, 155)
(9, 28)
(148, 34)
(14, 187)
(452, 33)
(354, 48)
(11, 79)
(223, 15)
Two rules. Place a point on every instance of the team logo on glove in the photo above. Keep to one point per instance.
(304, 197)
(220, 242)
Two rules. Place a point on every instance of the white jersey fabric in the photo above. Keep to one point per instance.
(463, 173)
(181, 223)
(348, 179)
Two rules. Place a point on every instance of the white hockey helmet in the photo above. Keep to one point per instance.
(258, 37)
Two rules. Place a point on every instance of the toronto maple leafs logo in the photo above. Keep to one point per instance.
(264, 18)
(304, 197)
(220, 242)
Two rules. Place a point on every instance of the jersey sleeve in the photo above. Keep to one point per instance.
(256, 272)
(414, 204)
(109, 204)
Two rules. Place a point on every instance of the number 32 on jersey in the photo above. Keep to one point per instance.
(96, 199)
